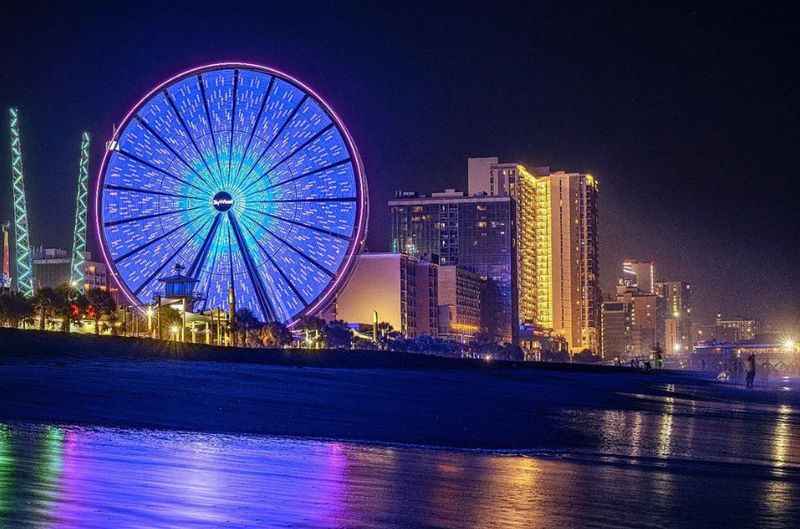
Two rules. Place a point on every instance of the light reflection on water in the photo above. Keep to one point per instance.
(672, 468)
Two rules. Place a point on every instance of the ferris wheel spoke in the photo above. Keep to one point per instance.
(255, 125)
(304, 175)
(289, 155)
(288, 200)
(156, 135)
(149, 192)
(255, 278)
(156, 168)
(150, 216)
(233, 124)
(291, 247)
(277, 135)
(269, 257)
(298, 223)
(169, 259)
(213, 264)
(188, 133)
(199, 260)
(210, 123)
(160, 237)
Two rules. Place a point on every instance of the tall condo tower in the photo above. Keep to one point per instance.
(79, 237)
(22, 244)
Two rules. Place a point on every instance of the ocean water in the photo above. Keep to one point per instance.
(675, 461)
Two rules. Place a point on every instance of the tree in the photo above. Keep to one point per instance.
(70, 305)
(44, 304)
(314, 329)
(245, 322)
(275, 334)
(14, 309)
(166, 317)
(386, 333)
(101, 303)
(338, 335)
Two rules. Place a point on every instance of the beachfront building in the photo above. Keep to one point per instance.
(460, 294)
(735, 329)
(476, 233)
(616, 325)
(557, 243)
(676, 297)
(51, 268)
(395, 288)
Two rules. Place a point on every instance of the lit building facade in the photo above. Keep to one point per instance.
(678, 315)
(735, 329)
(639, 274)
(398, 287)
(477, 233)
(460, 294)
(557, 245)
(615, 336)
(647, 321)
(51, 268)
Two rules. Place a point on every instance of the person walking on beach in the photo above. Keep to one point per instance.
(751, 370)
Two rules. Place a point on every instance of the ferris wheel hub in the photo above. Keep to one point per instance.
(222, 201)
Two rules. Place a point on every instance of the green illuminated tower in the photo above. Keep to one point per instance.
(22, 244)
(79, 238)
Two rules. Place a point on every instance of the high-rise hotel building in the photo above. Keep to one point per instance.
(476, 233)
(557, 242)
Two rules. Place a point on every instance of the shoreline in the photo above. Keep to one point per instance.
(364, 397)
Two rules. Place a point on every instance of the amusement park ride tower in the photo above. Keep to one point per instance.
(20, 276)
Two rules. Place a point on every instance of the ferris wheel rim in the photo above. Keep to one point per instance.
(357, 240)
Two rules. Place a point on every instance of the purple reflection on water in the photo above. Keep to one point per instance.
(70, 477)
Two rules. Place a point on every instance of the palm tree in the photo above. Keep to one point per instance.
(338, 335)
(275, 334)
(102, 303)
(44, 303)
(245, 322)
(65, 298)
(314, 329)
(14, 308)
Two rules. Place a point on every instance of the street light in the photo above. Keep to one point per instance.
(789, 344)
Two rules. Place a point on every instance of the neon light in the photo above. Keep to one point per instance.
(215, 173)
(22, 245)
(77, 277)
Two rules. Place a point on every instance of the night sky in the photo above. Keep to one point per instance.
(689, 118)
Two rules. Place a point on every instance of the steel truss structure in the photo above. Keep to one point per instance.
(77, 273)
(22, 244)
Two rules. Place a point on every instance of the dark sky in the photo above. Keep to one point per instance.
(688, 117)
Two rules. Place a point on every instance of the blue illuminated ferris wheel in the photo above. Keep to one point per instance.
(246, 178)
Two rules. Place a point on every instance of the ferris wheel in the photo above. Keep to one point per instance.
(242, 176)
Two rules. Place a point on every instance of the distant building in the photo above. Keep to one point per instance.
(678, 315)
(616, 322)
(398, 287)
(735, 329)
(647, 321)
(51, 268)
(459, 303)
(639, 274)
(476, 233)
